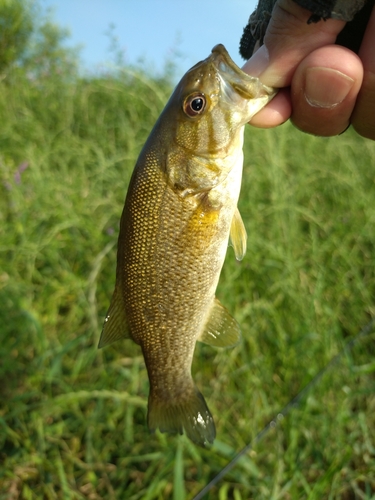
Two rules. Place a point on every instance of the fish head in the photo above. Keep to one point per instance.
(198, 137)
(213, 101)
(201, 127)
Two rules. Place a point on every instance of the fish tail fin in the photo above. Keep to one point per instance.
(189, 413)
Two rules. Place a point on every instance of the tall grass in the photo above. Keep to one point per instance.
(72, 418)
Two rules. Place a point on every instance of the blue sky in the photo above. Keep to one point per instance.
(153, 30)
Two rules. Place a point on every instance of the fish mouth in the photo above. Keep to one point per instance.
(247, 86)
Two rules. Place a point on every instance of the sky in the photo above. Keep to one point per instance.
(151, 30)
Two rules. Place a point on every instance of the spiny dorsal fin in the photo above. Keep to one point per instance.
(115, 324)
(238, 235)
(221, 329)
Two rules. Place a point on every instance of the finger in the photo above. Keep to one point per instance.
(275, 113)
(324, 90)
(289, 39)
(363, 118)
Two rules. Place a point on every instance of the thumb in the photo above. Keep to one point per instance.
(289, 39)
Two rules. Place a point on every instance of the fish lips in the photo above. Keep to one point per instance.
(238, 85)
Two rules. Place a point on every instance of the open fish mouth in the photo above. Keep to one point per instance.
(247, 93)
(248, 87)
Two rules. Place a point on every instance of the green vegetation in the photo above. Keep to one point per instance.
(72, 418)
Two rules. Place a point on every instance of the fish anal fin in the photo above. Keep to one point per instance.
(115, 325)
(238, 236)
(189, 414)
(221, 329)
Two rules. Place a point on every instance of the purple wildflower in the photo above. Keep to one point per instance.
(21, 168)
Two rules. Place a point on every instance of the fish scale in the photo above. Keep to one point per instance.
(180, 209)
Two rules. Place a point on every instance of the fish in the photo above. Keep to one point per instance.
(179, 213)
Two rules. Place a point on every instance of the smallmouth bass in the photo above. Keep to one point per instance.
(180, 210)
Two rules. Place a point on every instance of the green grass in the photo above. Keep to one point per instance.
(72, 418)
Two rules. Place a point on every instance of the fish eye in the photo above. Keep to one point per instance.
(194, 104)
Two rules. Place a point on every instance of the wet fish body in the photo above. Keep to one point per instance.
(179, 212)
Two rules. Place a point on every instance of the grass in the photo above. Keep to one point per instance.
(72, 418)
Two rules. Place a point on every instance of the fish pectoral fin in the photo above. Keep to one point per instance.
(115, 324)
(189, 413)
(221, 329)
(238, 236)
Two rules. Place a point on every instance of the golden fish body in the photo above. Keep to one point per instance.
(179, 211)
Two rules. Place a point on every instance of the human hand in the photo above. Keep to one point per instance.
(324, 87)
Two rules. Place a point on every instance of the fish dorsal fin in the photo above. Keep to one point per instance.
(221, 329)
(238, 235)
(115, 324)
